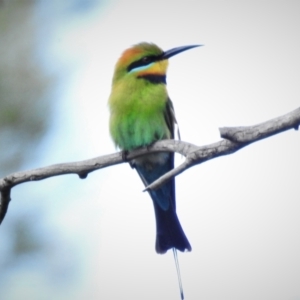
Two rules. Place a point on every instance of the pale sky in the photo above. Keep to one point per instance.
(239, 212)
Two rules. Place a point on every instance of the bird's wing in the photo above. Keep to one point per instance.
(170, 118)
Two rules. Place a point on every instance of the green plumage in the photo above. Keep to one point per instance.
(137, 113)
(140, 114)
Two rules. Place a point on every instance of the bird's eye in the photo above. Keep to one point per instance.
(146, 59)
(142, 62)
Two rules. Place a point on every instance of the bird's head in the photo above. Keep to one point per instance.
(145, 59)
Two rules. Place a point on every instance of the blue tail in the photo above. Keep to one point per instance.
(169, 233)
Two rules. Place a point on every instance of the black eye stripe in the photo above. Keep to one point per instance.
(144, 61)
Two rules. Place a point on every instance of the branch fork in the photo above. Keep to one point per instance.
(233, 139)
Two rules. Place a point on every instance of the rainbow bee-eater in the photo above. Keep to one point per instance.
(141, 113)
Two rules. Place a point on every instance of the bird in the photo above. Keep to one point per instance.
(142, 113)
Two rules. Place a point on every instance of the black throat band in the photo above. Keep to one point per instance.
(154, 78)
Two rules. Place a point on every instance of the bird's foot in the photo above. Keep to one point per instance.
(124, 154)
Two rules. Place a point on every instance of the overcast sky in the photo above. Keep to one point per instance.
(239, 212)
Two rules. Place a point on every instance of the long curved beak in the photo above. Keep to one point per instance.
(177, 50)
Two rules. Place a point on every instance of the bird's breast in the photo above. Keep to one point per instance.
(137, 114)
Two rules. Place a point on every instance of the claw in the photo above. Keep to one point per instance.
(124, 155)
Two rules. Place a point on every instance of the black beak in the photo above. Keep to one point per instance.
(177, 50)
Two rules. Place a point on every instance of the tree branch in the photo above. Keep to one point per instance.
(234, 138)
(264, 130)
